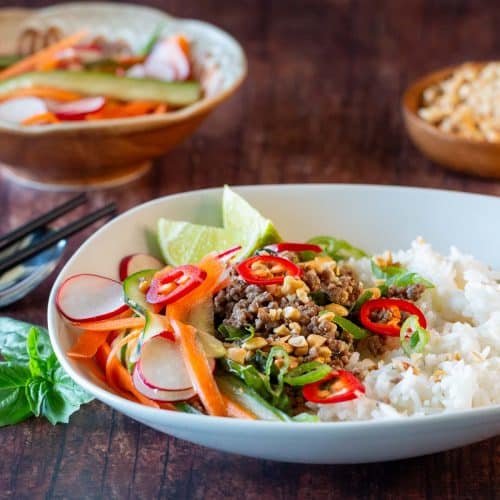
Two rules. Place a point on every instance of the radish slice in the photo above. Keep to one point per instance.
(167, 61)
(158, 394)
(19, 109)
(161, 365)
(89, 297)
(77, 110)
(137, 262)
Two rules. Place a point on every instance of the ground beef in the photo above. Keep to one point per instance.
(342, 288)
(411, 292)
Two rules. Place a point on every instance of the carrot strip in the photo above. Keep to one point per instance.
(235, 410)
(91, 366)
(160, 109)
(30, 62)
(119, 378)
(199, 370)
(167, 406)
(43, 92)
(40, 119)
(87, 344)
(111, 324)
(183, 43)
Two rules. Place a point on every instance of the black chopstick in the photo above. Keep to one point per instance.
(52, 238)
(39, 222)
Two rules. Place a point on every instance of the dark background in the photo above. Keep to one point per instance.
(320, 104)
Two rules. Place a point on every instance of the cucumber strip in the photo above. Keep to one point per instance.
(134, 297)
(93, 83)
(235, 389)
(187, 408)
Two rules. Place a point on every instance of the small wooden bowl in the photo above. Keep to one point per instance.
(110, 152)
(473, 157)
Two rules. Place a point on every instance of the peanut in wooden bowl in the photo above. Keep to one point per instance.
(109, 152)
(480, 158)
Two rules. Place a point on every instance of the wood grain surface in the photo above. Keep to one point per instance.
(321, 104)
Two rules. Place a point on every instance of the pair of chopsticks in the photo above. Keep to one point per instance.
(51, 238)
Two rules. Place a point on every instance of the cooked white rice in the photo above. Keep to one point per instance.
(460, 366)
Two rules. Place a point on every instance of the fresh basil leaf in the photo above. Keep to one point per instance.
(14, 406)
(13, 337)
(13, 375)
(65, 384)
(56, 408)
(36, 391)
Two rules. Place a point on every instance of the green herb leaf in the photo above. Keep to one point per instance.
(32, 382)
(14, 406)
(152, 40)
(397, 276)
(13, 337)
(231, 333)
(36, 392)
(337, 249)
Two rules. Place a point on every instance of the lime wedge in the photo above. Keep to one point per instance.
(246, 224)
(186, 243)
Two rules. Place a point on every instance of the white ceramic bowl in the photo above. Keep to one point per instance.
(372, 217)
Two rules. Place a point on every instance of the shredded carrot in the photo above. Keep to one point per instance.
(160, 109)
(199, 369)
(111, 324)
(92, 367)
(119, 378)
(167, 406)
(43, 92)
(235, 410)
(88, 343)
(183, 43)
(40, 119)
(130, 60)
(126, 110)
(39, 58)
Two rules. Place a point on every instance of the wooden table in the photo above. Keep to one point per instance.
(321, 104)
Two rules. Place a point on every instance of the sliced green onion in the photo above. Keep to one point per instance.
(276, 353)
(413, 337)
(307, 373)
(337, 249)
(356, 331)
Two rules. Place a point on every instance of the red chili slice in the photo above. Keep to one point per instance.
(185, 279)
(294, 247)
(336, 387)
(251, 276)
(396, 306)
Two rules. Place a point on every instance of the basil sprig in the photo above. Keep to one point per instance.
(32, 381)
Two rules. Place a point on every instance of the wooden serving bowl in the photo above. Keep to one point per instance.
(109, 152)
(465, 155)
